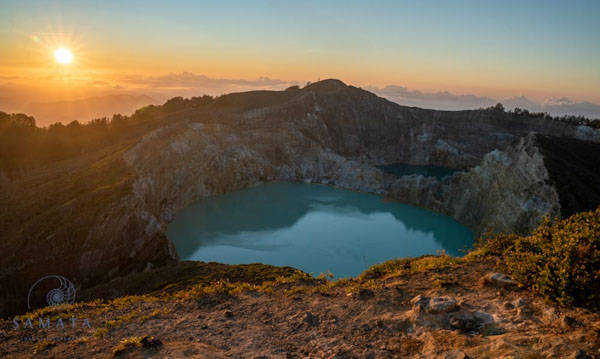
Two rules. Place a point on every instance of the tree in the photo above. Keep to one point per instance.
(499, 107)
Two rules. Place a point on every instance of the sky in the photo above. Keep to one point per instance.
(541, 50)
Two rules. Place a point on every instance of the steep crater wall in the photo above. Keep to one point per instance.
(509, 191)
(334, 134)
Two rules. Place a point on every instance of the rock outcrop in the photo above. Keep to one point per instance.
(509, 191)
(499, 280)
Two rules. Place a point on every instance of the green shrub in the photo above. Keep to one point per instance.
(410, 265)
(560, 261)
(495, 244)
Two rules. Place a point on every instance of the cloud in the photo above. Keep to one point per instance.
(188, 79)
(521, 102)
(2, 77)
(564, 106)
(557, 106)
(189, 84)
(98, 83)
(444, 100)
(553, 101)
(17, 91)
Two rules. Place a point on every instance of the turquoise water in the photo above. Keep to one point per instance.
(402, 169)
(315, 228)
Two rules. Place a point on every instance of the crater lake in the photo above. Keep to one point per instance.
(315, 228)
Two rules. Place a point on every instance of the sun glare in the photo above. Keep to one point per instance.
(63, 56)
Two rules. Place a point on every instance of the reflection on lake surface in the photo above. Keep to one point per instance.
(314, 228)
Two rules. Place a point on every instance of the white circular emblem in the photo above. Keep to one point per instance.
(64, 293)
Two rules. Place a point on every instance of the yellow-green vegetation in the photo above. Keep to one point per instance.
(197, 273)
(55, 311)
(115, 323)
(393, 268)
(560, 260)
(60, 311)
(127, 343)
(155, 313)
(125, 302)
(355, 286)
(81, 340)
(442, 281)
(134, 308)
(225, 286)
(100, 332)
(411, 265)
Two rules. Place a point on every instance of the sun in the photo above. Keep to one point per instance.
(63, 56)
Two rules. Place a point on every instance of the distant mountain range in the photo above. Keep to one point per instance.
(554, 106)
(445, 100)
(83, 109)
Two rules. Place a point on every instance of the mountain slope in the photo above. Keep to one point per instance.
(85, 109)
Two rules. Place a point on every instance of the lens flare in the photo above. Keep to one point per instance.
(63, 56)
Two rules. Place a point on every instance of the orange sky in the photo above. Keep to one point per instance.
(489, 50)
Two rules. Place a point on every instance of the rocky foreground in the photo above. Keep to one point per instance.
(430, 307)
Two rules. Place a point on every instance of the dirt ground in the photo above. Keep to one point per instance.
(456, 316)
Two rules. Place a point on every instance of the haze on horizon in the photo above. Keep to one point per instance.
(447, 55)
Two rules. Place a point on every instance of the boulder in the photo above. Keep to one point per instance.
(569, 322)
(578, 354)
(524, 308)
(432, 312)
(365, 294)
(228, 314)
(499, 280)
(311, 319)
(470, 321)
(151, 342)
(434, 305)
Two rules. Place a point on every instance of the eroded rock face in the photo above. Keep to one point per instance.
(509, 191)
(184, 162)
